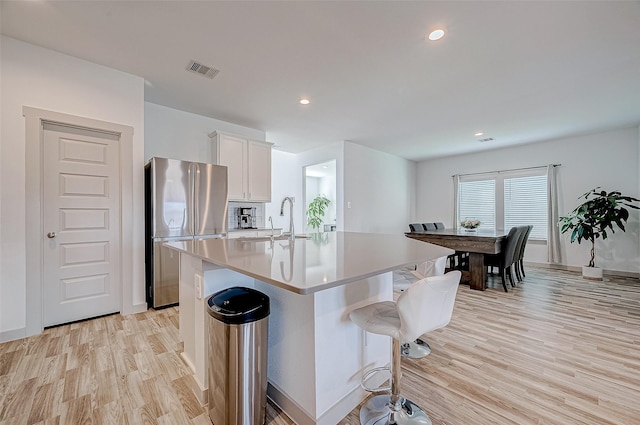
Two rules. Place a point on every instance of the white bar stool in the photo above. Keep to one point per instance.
(420, 348)
(425, 306)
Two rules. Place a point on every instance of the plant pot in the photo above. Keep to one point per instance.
(591, 273)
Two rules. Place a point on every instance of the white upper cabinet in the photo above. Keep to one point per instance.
(259, 171)
(248, 163)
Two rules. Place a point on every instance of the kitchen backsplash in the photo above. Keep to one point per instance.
(259, 218)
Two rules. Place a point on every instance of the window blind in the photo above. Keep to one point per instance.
(476, 199)
(505, 199)
(525, 202)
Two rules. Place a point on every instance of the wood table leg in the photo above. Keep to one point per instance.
(477, 270)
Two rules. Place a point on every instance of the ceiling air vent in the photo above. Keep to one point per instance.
(488, 139)
(198, 68)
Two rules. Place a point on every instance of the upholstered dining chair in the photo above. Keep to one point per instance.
(416, 227)
(425, 306)
(505, 259)
(429, 226)
(519, 264)
(459, 260)
(522, 231)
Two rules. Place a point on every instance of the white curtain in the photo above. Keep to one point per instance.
(456, 182)
(553, 231)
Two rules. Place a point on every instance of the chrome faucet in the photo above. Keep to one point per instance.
(292, 234)
(271, 221)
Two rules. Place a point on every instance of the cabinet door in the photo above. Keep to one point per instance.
(259, 184)
(233, 153)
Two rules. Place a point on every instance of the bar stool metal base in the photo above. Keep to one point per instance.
(376, 411)
(415, 350)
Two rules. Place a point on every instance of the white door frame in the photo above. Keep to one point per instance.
(34, 119)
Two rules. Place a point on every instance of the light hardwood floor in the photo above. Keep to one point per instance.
(555, 350)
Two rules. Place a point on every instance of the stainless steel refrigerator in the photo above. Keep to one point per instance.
(183, 200)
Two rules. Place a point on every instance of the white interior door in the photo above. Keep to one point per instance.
(81, 223)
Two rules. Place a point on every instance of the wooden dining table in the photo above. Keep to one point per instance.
(476, 243)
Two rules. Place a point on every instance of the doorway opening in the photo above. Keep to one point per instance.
(320, 180)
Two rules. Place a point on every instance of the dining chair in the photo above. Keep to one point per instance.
(416, 227)
(429, 226)
(522, 231)
(520, 261)
(505, 259)
(459, 260)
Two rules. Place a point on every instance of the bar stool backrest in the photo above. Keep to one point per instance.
(427, 305)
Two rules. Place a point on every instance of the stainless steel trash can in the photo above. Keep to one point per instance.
(238, 330)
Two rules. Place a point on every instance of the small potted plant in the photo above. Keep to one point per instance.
(593, 218)
(315, 211)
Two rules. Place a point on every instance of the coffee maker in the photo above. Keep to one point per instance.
(246, 217)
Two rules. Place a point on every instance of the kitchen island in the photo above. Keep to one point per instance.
(316, 354)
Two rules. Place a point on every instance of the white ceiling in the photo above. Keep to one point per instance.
(519, 71)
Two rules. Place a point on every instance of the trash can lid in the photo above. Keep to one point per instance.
(238, 305)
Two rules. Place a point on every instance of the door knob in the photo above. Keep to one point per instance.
(51, 235)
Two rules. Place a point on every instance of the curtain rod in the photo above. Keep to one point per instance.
(506, 171)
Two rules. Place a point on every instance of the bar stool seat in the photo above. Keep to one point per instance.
(425, 306)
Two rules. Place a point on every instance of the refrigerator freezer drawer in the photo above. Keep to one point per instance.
(166, 274)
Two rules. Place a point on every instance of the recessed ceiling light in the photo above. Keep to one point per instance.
(436, 35)
(480, 133)
(304, 101)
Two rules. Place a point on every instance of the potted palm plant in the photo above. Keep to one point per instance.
(594, 218)
(315, 211)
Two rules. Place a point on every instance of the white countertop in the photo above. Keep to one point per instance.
(322, 261)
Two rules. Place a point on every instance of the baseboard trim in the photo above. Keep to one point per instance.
(332, 415)
(611, 273)
(295, 412)
(22, 332)
(13, 334)
(139, 308)
(201, 393)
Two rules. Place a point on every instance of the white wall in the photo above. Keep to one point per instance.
(41, 78)
(379, 186)
(286, 180)
(327, 187)
(608, 159)
(380, 189)
(327, 153)
(170, 133)
(2, 290)
(311, 191)
(182, 135)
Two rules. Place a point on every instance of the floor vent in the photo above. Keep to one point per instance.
(204, 70)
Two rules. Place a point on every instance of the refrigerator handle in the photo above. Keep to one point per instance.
(196, 198)
(190, 203)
